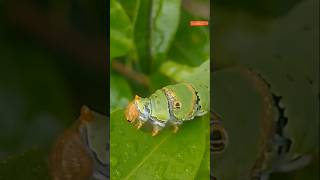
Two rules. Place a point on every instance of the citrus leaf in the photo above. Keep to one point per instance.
(120, 31)
(120, 92)
(165, 15)
(191, 45)
(175, 70)
(181, 72)
(135, 154)
(131, 8)
(142, 34)
(204, 169)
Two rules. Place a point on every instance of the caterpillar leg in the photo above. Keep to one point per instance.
(175, 128)
(156, 129)
(139, 124)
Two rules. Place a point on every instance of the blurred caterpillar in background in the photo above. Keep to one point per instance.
(81, 151)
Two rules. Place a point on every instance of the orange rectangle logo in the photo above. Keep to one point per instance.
(199, 23)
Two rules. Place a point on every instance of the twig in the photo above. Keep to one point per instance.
(129, 73)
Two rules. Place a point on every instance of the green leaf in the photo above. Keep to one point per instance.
(180, 73)
(120, 92)
(29, 165)
(131, 7)
(192, 44)
(175, 70)
(142, 34)
(120, 31)
(165, 17)
(204, 169)
(135, 154)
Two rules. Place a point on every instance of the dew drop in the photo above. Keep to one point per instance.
(163, 155)
(113, 161)
(116, 173)
(157, 176)
(160, 169)
(179, 157)
(131, 147)
(188, 169)
(193, 149)
(113, 145)
(125, 156)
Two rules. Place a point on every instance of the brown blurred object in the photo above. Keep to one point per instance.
(69, 159)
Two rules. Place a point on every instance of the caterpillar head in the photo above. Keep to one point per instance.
(137, 109)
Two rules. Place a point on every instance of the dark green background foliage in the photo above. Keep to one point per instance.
(50, 66)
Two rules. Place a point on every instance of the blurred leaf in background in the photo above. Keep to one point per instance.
(191, 45)
(120, 30)
(120, 92)
(165, 16)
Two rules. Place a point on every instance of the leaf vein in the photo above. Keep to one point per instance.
(147, 156)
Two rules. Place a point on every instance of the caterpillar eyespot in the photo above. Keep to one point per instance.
(173, 105)
(177, 105)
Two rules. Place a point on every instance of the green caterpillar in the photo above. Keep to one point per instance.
(173, 104)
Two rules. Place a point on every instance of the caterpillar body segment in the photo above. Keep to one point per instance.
(202, 91)
(177, 98)
(159, 107)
